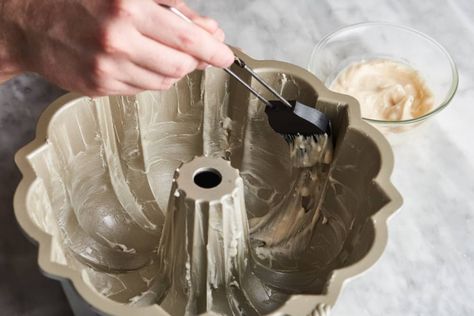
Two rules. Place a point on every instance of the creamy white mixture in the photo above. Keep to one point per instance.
(310, 151)
(385, 89)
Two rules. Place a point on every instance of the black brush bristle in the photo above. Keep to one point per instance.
(299, 120)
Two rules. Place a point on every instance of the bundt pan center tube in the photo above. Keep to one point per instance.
(186, 201)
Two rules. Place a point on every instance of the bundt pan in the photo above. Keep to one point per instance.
(186, 202)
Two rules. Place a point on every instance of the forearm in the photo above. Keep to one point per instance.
(11, 41)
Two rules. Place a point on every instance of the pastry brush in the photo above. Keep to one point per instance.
(292, 119)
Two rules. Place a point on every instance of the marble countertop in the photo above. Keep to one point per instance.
(428, 265)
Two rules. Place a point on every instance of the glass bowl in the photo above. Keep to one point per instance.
(374, 40)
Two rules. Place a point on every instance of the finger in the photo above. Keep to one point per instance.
(143, 79)
(114, 87)
(202, 65)
(159, 58)
(208, 24)
(131, 89)
(167, 28)
(219, 35)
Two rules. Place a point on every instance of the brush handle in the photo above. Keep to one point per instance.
(239, 62)
(177, 12)
(248, 87)
(243, 65)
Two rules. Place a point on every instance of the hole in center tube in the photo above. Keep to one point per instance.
(207, 178)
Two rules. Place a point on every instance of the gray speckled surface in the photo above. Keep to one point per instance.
(23, 289)
(428, 266)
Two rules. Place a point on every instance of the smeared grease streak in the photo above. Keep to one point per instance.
(115, 190)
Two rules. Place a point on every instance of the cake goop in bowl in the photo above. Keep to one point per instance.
(386, 90)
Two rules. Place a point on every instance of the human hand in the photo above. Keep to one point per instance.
(111, 47)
